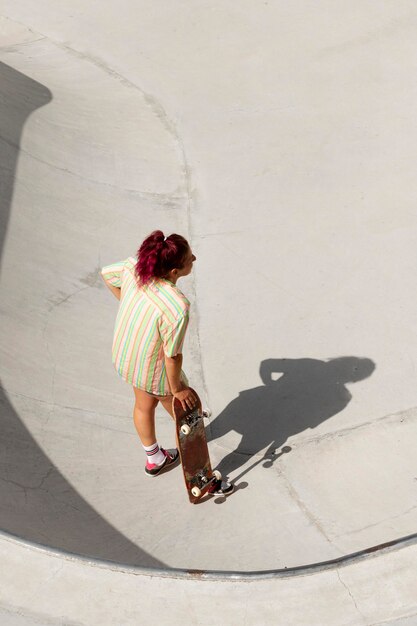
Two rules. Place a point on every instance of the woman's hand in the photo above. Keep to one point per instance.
(187, 398)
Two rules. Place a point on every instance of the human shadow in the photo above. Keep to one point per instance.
(306, 393)
(37, 503)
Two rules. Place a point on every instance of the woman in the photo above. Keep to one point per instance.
(149, 334)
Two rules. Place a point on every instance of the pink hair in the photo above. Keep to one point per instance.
(158, 255)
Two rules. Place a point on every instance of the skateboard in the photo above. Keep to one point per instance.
(192, 446)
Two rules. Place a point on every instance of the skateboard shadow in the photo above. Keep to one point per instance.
(307, 392)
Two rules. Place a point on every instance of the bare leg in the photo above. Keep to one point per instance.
(144, 416)
(166, 402)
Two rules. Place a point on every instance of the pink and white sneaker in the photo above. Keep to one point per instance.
(221, 488)
(172, 458)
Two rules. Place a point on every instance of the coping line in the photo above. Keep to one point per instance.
(195, 574)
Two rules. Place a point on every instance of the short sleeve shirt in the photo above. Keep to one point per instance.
(151, 322)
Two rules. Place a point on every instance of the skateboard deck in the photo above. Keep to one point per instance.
(192, 446)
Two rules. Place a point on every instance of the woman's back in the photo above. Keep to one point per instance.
(151, 321)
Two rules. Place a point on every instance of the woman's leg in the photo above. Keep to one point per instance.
(158, 459)
(166, 402)
(144, 416)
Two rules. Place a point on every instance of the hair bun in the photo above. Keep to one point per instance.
(155, 259)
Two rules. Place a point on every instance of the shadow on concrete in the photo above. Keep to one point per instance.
(296, 394)
(37, 503)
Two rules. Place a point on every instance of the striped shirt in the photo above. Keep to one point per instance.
(151, 321)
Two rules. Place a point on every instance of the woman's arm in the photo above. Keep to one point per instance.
(115, 290)
(173, 366)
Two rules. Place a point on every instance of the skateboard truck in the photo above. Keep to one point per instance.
(203, 482)
(192, 419)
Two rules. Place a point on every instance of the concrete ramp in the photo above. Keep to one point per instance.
(280, 140)
(359, 590)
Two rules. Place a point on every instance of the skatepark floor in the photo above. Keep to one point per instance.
(280, 141)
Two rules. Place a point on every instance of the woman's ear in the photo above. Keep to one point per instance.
(173, 274)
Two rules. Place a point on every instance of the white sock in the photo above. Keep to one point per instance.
(154, 454)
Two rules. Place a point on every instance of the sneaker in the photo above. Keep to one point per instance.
(221, 488)
(171, 459)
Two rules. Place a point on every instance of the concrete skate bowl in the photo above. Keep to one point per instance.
(38, 502)
(72, 476)
(46, 428)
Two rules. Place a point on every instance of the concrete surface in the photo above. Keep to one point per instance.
(279, 138)
(72, 590)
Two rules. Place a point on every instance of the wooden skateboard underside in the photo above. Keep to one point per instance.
(194, 454)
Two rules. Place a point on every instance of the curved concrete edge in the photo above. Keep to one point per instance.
(366, 588)
(197, 574)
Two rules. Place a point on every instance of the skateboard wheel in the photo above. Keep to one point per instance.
(196, 492)
(206, 412)
(217, 474)
(185, 429)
